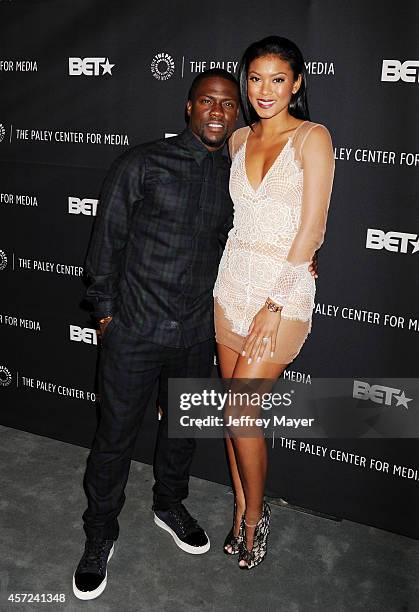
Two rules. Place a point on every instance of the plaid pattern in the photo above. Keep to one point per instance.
(163, 218)
(129, 370)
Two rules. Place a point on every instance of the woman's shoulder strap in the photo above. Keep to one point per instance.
(237, 139)
(301, 134)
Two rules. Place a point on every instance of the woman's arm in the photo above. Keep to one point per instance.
(318, 164)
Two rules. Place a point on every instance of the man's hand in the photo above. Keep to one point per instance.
(313, 267)
(103, 324)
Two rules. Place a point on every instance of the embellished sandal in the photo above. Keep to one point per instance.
(260, 537)
(232, 540)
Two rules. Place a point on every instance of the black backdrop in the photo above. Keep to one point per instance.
(64, 120)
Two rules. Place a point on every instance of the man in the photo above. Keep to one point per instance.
(163, 217)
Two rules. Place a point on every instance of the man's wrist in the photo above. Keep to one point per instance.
(105, 319)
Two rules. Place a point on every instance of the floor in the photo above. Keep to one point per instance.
(313, 564)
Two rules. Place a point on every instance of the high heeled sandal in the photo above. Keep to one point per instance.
(232, 540)
(255, 556)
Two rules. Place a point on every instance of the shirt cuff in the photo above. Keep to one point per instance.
(103, 308)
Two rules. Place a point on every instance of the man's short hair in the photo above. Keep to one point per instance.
(212, 72)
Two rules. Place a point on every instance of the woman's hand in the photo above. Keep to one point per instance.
(313, 267)
(262, 335)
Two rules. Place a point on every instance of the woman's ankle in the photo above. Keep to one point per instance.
(252, 517)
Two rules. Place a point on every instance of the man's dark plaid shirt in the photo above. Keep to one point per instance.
(163, 218)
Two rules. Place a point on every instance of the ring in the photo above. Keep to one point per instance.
(265, 340)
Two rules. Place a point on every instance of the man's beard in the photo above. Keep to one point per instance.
(213, 143)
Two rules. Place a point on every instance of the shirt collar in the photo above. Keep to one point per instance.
(195, 146)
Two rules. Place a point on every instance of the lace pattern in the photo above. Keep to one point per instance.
(260, 540)
(266, 220)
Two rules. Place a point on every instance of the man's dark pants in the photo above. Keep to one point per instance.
(129, 369)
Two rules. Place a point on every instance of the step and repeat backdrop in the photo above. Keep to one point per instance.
(81, 82)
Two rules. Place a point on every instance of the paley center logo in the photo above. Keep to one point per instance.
(82, 206)
(83, 334)
(398, 242)
(89, 66)
(380, 394)
(5, 376)
(162, 66)
(3, 260)
(393, 70)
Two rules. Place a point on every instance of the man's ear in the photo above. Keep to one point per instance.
(188, 108)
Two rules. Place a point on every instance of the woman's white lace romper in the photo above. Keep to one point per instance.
(277, 228)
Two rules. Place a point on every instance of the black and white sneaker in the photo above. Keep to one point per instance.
(89, 579)
(184, 529)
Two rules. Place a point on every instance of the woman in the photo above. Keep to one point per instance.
(281, 180)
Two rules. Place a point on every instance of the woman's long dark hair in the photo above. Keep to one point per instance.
(287, 51)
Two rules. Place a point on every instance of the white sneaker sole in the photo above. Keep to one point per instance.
(193, 550)
(86, 595)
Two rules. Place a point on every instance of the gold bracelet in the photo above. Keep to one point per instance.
(272, 307)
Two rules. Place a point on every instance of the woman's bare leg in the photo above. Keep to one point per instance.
(228, 359)
(250, 452)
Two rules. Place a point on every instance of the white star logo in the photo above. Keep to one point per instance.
(107, 67)
(415, 245)
(402, 400)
